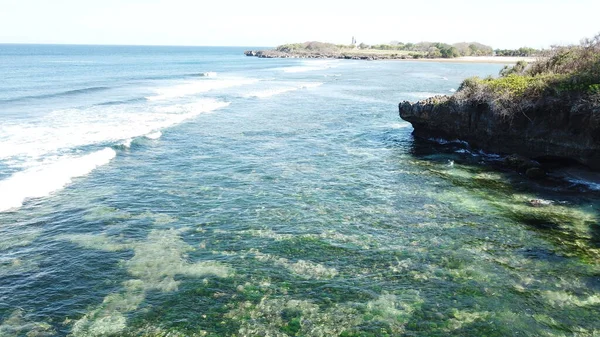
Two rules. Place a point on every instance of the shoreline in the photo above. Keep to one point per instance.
(477, 59)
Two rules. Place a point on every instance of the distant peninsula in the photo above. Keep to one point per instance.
(548, 111)
(468, 51)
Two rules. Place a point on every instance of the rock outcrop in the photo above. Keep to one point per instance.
(324, 55)
(542, 129)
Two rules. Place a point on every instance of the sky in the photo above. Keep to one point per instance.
(501, 24)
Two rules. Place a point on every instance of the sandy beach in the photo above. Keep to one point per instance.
(481, 59)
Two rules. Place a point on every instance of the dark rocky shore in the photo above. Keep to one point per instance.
(546, 130)
(325, 55)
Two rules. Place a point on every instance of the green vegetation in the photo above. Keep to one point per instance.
(567, 71)
(436, 49)
(423, 49)
(312, 46)
(523, 51)
(413, 50)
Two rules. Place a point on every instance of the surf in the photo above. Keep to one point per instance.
(45, 179)
(196, 87)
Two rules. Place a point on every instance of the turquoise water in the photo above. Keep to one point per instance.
(163, 191)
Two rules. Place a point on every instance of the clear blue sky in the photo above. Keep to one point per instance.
(502, 24)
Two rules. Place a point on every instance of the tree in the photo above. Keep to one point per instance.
(434, 52)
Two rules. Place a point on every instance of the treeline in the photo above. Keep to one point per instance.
(312, 46)
(414, 50)
(524, 51)
(438, 49)
(444, 50)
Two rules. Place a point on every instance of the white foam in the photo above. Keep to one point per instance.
(594, 186)
(399, 125)
(127, 143)
(199, 86)
(312, 65)
(268, 92)
(311, 85)
(301, 69)
(209, 74)
(42, 180)
(67, 129)
(276, 91)
(154, 135)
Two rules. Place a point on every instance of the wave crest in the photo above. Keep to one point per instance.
(196, 87)
(45, 179)
(58, 94)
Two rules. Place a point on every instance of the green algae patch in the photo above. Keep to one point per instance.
(105, 213)
(154, 266)
(570, 225)
(20, 239)
(283, 317)
(289, 317)
(159, 219)
(461, 318)
(16, 265)
(109, 317)
(18, 324)
(302, 268)
(565, 299)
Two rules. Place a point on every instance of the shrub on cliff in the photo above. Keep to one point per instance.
(568, 72)
(569, 76)
(517, 69)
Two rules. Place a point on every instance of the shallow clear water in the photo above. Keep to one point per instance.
(194, 191)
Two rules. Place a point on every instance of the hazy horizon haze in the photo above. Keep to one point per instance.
(510, 24)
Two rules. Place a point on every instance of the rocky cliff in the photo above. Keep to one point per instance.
(543, 128)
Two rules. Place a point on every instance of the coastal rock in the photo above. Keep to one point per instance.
(535, 173)
(543, 129)
(521, 163)
(322, 55)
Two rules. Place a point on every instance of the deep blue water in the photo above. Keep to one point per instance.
(195, 191)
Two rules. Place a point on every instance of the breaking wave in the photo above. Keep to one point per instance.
(44, 179)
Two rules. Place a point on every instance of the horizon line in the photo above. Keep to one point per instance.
(124, 45)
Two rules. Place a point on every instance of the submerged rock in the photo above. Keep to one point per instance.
(542, 129)
(521, 163)
(535, 173)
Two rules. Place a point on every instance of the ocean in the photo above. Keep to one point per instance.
(194, 191)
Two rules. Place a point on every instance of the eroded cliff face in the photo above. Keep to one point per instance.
(546, 128)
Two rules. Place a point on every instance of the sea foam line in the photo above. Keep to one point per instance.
(312, 65)
(196, 87)
(154, 135)
(45, 179)
(276, 91)
(67, 129)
